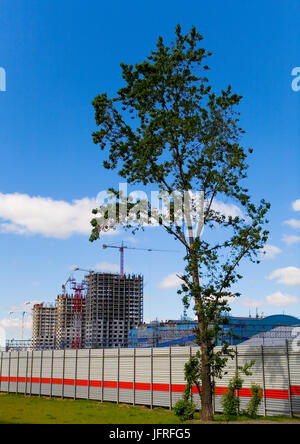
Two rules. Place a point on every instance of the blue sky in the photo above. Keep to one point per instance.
(57, 56)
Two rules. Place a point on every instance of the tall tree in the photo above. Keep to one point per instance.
(168, 127)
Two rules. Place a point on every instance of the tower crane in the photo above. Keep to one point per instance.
(78, 306)
(123, 247)
(23, 317)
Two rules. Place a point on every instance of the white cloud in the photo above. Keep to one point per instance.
(290, 240)
(171, 281)
(296, 205)
(293, 223)
(281, 300)
(287, 276)
(270, 251)
(22, 214)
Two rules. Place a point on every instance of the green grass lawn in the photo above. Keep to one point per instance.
(17, 409)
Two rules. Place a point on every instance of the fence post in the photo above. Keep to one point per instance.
(9, 363)
(75, 377)
(264, 379)
(170, 374)
(63, 376)
(237, 368)
(289, 377)
(26, 374)
(151, 376)
(18, 364)
(118, 378)
(31, 372)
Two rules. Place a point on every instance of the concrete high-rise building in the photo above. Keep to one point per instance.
(44, 320)
(114, 306)
(65, 323)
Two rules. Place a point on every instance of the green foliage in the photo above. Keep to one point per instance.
(255, 401)
(192, 374)
(230, 404)
(230, 401)
(185, 410)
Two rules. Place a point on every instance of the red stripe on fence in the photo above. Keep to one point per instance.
(176, 388)
(46, 381)
(69, 381)
(35, 380)
(277, 394)
(295, 390)
(110, 384)
(56, 381)
(95, 383)
(82, 383)
(126, 385)
(245, 393)
(142, 386)
(161, 387)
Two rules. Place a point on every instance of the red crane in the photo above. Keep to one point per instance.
(123, 247)
(77, 326)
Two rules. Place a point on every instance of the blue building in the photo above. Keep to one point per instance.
(182, 332)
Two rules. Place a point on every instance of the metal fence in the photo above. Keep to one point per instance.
(151, 377)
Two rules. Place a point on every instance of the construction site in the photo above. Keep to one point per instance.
(105, 310)
(98, 312)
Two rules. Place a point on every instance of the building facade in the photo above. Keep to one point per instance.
(182, 332)
(114, 306)
(44, 322)
(101, 318)
(66, 320)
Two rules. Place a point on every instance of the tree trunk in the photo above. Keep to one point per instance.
(207, 395)
(207, 388)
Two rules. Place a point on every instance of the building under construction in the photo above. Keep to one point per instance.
(100, 313)
(44, 323)
(114, 306)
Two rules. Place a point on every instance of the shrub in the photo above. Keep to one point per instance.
(230, 402)
(255, 401)
(185, 410)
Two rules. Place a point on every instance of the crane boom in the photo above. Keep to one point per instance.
(123, 247)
